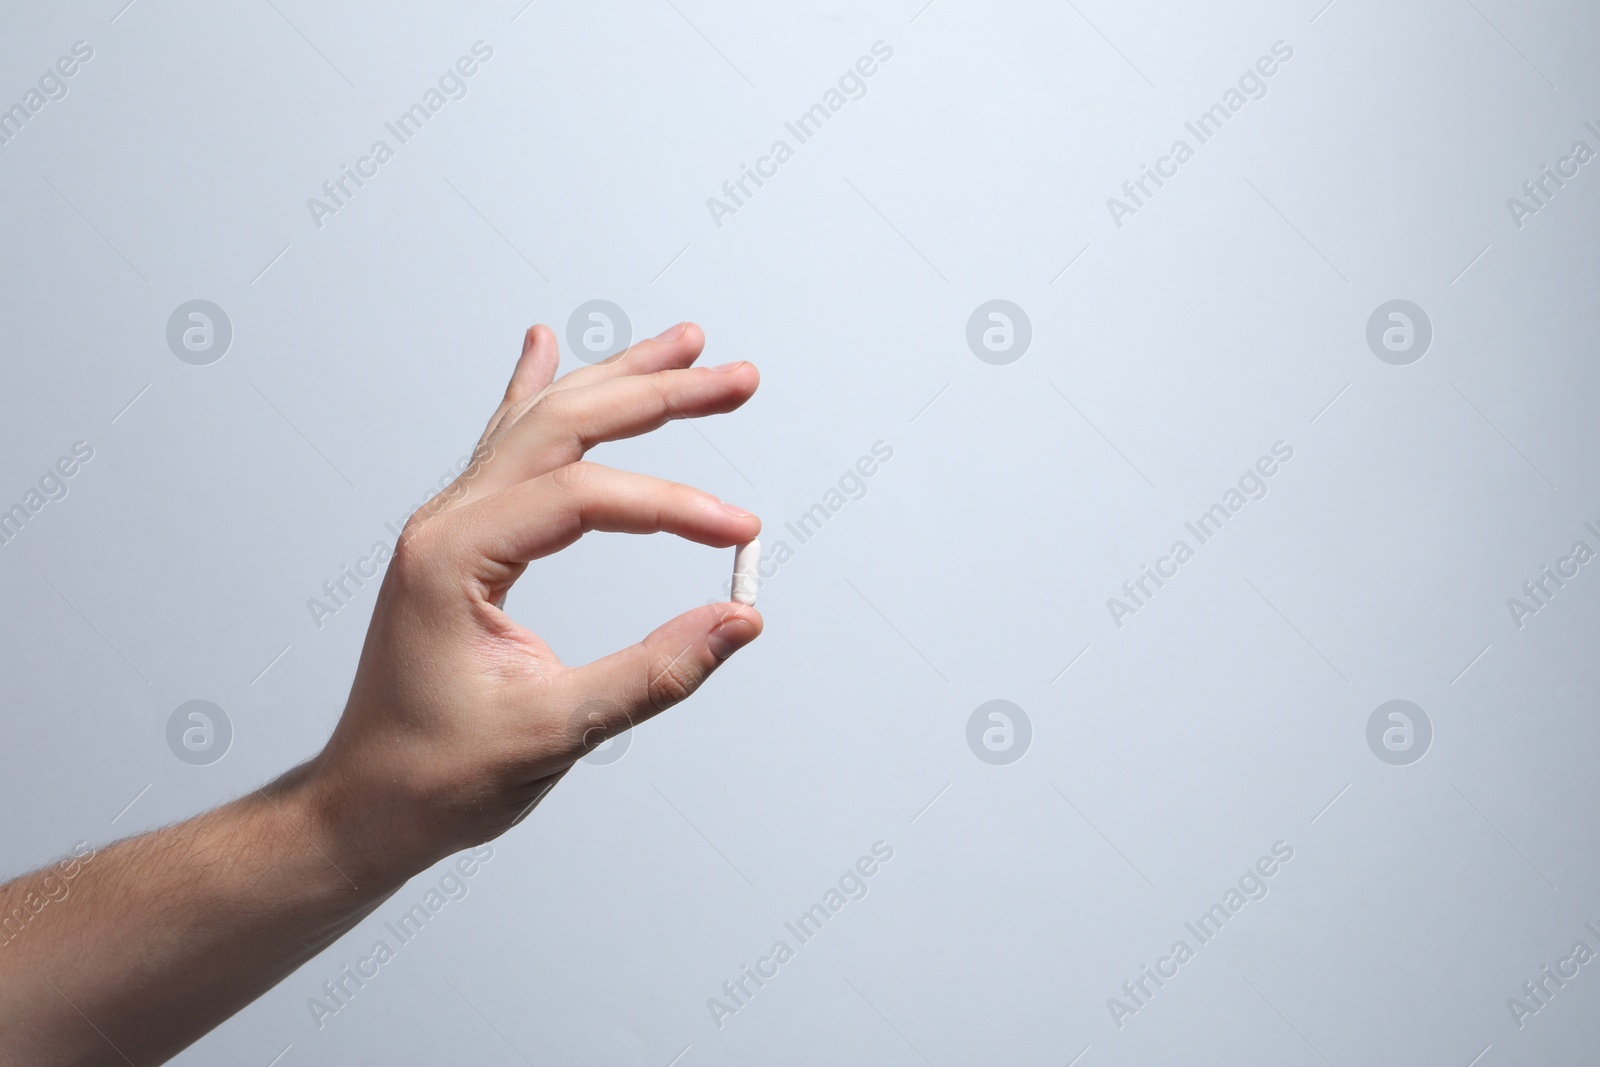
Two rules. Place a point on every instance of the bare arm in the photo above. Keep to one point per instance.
(458, 723)
(145, 945)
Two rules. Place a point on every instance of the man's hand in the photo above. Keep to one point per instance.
(458, 722)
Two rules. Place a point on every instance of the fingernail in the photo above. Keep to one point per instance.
(730, 637)
(726, 368)
(738, 513)
(671, 333)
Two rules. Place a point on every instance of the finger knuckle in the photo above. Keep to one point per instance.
(573, 478)
(417, 548)
(663, 383)
(556, 404)
(671, 681)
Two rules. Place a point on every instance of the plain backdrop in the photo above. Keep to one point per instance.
(1171, 347)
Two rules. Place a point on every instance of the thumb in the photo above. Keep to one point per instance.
(646, 679)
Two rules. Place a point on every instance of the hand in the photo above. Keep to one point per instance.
(460, 720)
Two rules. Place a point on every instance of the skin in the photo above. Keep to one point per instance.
(457, 725)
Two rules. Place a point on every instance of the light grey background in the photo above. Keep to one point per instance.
(1167, 355)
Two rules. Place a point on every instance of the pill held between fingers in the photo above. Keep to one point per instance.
(745, 559)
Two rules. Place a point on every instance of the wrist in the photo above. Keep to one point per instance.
(333, 836)
(370, 826)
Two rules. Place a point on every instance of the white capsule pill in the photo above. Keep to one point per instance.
(745, 559)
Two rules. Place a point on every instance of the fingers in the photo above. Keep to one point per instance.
(534, 372)
(643, 680)
(675, 347)
(565, 424)
(534, 518)
(536, 369)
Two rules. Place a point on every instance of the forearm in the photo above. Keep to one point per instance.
(157, 939)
